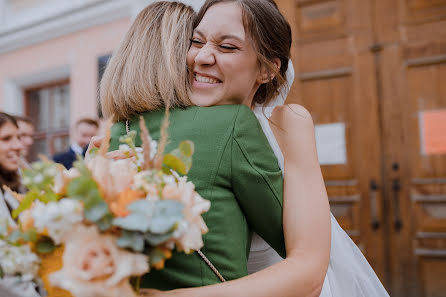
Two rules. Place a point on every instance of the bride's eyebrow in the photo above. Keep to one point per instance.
(230, 36)
(222, 37)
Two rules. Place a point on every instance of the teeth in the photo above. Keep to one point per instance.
(205, 79)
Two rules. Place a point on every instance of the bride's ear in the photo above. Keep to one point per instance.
(265, 75)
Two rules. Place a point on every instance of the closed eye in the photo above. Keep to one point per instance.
(228, 47)
(196, 42)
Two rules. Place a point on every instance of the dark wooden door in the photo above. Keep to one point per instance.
(373, 75)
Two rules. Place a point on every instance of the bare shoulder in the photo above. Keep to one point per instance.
(300, 111)
(292, 114)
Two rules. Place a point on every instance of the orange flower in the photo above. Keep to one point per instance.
(126, 197)
(167, 254)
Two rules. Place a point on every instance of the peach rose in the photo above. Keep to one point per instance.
(112, 176)
(93, 266)
(194, 207)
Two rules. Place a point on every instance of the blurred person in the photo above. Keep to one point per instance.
(84, 130)
(26, 130)
(10, 150)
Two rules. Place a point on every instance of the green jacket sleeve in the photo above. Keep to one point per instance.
(257, 180)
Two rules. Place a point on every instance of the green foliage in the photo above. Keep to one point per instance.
(96, 212)
(40, 176)
(166, 215)
(139, 218)
(105, 222)
(2, 273)
(45, 245)
(85, 189)
(180, 159)
(40, 181)
(152, 222)
(14, 236)
(156, 239)
(156, 255)
(28, 200)
(132, 240)
(129, 139)
(93, 152)
(30, 235)
(186, 148)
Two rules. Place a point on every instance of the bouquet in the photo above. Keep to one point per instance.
(88, 230)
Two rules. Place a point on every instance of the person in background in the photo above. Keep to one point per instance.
(10, 149)
(26, 130)
(84, 130)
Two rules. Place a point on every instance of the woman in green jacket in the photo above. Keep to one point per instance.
(233, 167)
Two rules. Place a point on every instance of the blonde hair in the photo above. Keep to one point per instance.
(148, 71)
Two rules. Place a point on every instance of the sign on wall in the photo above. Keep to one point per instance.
(433, 132)
(331, 144)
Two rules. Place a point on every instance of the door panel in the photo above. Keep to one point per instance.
(412, 66)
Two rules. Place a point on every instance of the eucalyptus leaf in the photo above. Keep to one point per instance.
(166, 215)
(45, 245)
(132, 240)
(133, 222)
(141, 206)
(30, 235)
(96, 212)
(14, 236)
(105, 222)
(156, 239)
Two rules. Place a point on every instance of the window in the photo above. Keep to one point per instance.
(49, 107)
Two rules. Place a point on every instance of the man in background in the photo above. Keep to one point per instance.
(26, 130)
(84, 130)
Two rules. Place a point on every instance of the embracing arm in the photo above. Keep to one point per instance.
(306, 219)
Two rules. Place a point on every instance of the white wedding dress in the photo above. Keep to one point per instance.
(349, 274)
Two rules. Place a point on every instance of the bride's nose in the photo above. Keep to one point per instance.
(206, 55)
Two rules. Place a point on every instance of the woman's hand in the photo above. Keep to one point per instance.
(293, 128)
(96, 142)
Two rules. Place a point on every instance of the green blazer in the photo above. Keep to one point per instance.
(235, 168)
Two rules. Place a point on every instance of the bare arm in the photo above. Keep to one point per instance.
(306, 218)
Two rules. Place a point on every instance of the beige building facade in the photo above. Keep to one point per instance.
(52, 53)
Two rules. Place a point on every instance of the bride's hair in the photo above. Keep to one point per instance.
(271, 36)
(148, 71)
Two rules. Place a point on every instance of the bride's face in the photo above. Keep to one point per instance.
(223, 64)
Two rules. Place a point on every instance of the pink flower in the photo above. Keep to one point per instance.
(93, 266)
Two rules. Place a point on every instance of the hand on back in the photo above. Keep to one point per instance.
(293, 128)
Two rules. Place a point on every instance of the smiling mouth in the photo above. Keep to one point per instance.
(206, 79)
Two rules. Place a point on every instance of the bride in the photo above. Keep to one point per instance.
(349, 273)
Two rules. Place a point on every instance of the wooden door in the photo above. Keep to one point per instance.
(412, 74)
(373, 75)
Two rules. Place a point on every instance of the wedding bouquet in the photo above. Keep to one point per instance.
(86, 231)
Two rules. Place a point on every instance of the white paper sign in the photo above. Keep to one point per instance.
(331, 144)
